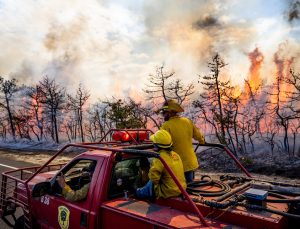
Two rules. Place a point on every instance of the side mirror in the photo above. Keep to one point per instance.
(40, 189)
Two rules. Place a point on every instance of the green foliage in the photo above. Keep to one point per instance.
(125, 115)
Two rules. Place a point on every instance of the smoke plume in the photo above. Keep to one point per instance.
(112, 46)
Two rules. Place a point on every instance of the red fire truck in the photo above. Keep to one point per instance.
(228, 202)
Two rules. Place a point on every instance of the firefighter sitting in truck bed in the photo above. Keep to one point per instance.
(161, 184)
(76, 195)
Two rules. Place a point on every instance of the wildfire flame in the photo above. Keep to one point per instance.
(254, 78)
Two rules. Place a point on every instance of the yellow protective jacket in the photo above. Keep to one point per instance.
(164, 185)
(77, 195)
(182, 131)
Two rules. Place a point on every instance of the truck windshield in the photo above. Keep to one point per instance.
(128, 175)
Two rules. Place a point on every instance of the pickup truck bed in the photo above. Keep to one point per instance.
(132, 213)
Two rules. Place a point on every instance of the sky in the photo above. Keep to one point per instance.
(112, 46)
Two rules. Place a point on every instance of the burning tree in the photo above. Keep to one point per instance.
(22, 121)
(76, 104)
(251, 113)
(294, 97)
(163, 86)
(280, 105)
(53, 99)
(234, 115)
(294, 94)
(34, 105)
(211, 101)
(97, 122)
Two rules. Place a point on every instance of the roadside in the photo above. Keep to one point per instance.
(36, 157)
(36, 153)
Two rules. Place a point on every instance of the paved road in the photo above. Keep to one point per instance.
(5, 165)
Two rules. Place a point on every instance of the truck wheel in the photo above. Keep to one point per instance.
(19, 224)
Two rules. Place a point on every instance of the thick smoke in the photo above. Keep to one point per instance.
(195, 30)
(108, 45)
(73, 42)
(206, 22)
(294, 11)
(63, 42)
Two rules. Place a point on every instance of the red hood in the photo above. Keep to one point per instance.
(42, 177)
(46, 176)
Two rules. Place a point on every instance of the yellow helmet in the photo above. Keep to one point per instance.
(172, 105)
(162, 138)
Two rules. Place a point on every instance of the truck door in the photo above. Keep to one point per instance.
(57, 212)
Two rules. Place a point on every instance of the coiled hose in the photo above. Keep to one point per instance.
(193, 187)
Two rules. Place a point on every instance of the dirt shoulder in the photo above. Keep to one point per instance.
(37, 157)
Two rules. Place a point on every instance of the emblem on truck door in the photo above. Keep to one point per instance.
(63, 217)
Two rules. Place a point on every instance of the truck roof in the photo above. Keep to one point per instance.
(101, 153)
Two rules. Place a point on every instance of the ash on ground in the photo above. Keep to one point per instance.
(263, 165)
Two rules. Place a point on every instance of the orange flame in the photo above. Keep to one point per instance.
(282, 73)
(254, 78)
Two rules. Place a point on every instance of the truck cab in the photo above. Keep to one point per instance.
(112, 178)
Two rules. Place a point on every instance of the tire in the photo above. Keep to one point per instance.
(19, 224)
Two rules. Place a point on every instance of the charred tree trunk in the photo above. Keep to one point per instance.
(55, 128)
(10, 117)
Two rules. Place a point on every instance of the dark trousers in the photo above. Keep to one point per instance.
(189, 176)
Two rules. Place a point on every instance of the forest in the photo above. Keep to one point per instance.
(254, 117)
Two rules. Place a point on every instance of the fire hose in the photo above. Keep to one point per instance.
(220, 205)
(238, 201)
(257, 207)
(193, 187)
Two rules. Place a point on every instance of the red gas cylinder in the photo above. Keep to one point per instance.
(128, 136)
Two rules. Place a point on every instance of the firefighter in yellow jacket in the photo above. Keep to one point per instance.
(182, 131)
(161, 184)
(74, 195)
(77, 195)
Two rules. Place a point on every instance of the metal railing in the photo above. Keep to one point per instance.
(229, 153)
(15, 191)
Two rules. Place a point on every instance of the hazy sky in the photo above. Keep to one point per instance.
(112, 46)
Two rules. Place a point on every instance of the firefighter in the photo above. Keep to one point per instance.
(69, 193)
(182, 131)
(161, 184)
